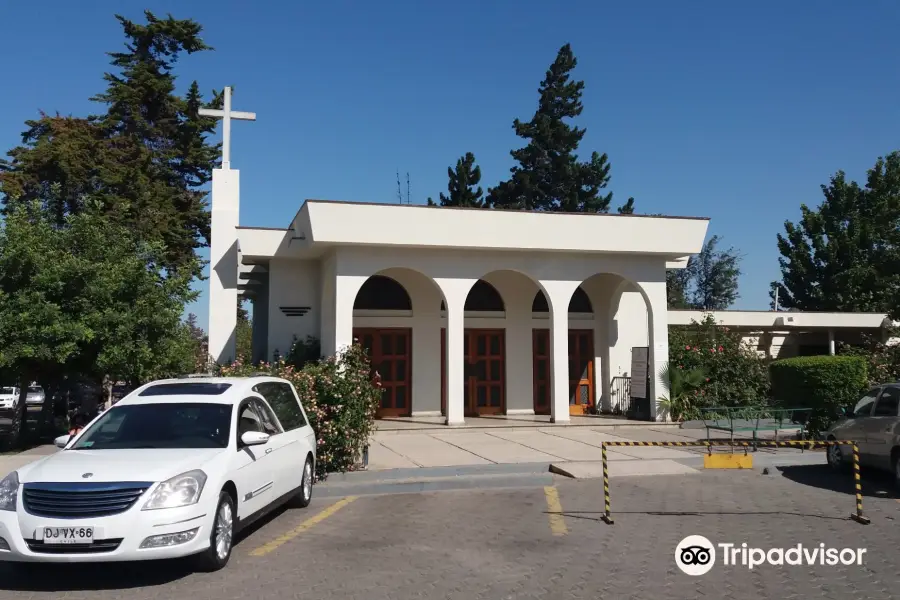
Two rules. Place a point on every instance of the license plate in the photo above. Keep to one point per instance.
(68, 535)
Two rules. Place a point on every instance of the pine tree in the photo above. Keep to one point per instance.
(677, 284)
(715, 276)
(709, 281)
(845, 255)
(549, 176)
(145, 160)
(461, 185)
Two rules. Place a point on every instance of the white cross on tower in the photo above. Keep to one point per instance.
(227, 115)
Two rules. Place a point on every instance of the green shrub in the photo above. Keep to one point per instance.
(680, 404)
(822, 383)
(340, 399)
(882, 360)
(734, 374)
(303, 352)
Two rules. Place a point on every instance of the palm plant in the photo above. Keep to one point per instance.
(679, 405)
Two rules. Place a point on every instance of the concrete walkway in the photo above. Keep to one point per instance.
(447, 447)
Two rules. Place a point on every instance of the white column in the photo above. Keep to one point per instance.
(559, 293)
(345, 289)
(223, 261)
(455, 292)
(655, 292)
(831, 342)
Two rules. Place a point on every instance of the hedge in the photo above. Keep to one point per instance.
(823, 383)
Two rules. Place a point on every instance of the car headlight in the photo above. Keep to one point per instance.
(9, 491)
(181, 490)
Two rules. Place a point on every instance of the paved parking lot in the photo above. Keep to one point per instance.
(531, 543)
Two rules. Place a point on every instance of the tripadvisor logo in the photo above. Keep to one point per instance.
(696, 555)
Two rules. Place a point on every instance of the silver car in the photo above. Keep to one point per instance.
(35, 396)
(874, 424)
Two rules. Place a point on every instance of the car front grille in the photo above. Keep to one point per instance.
(81, 500)
(95, 547)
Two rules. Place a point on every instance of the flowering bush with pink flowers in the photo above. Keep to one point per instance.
(340, 399)
(735, 374)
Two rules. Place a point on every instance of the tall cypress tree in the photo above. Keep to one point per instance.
(145, 160)
(548, 175)
(462, 185)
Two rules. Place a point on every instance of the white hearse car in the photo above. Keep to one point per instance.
(174, 469)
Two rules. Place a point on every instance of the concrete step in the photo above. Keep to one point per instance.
(406, 481)
(520, 426)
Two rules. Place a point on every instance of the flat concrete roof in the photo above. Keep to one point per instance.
(321, 223)
(771, 320)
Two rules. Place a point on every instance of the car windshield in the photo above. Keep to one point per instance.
(34, 390)
(7, 390)
(175, 425)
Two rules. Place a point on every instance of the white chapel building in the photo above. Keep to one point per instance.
(464, 312)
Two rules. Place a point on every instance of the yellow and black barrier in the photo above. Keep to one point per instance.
(708, 444)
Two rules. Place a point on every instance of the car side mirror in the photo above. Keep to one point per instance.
(254, 438)
(62, 441)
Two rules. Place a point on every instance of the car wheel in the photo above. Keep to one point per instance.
(221, 536)
(836, 457)
(304, 496)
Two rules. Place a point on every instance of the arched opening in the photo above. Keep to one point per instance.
(484, 347)
(579, 303)
(624, 346)
(581, 355)
(382, 324)
(483, 297)
(381, 292)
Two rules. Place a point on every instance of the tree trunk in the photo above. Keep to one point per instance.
(47, 414)
(19, 428)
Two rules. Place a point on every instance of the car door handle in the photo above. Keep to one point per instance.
(268, 450)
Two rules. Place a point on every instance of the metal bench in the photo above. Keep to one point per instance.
(754, 419)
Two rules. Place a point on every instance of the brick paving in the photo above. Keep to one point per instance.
(497, 543)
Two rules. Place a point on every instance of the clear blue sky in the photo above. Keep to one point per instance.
(735, 111)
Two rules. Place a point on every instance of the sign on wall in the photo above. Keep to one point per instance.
(640, 357)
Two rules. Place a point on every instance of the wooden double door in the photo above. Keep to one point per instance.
(484, 389)
(390, 354)
(581, 371)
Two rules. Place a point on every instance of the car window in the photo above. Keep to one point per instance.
(281, 398)
(248, 420)
(7, 390)
(863, 408)
(175, 425)
(35, 390)
(888, 403)
(269, 422)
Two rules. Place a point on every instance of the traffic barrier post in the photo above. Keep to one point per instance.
(708, 444)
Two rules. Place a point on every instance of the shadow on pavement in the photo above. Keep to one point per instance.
(33, 577)
(36, 577)
(692, 513)
(875, 484)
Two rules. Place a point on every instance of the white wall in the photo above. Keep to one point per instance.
(311, 283)
(293, 283)
(628, 329)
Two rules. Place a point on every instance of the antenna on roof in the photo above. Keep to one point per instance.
(399, 195)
